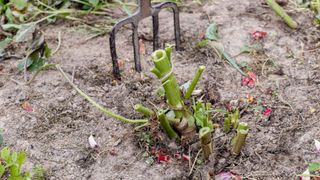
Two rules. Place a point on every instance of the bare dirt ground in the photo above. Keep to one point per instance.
(56, 134)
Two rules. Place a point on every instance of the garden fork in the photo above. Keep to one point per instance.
(145, 10)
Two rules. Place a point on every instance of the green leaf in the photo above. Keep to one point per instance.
(21, 158)
(229, 59)
(9, 15)
(24, 32)
(314, 166)
(20, 66)
(200, 118)
(202, 43)
(259, 108)
(212, 32)
(94, 3)
(14, 157)
(1, 139)
(47, 51)
(171, 114)
(4, 44)
(5, 154)
(191, 121)
(245, 49)
(2, 170)
(19, 4)
(14, 171)
(161, 92)
(34, 62)
(184, 87)
(9, 27)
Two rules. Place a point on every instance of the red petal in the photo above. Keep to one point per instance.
(267, 112)
(258, 35)
(163, 157)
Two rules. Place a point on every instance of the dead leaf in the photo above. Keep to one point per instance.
(142, 47)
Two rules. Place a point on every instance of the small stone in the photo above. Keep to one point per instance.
(61, 98)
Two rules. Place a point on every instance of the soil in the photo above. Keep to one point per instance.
(56, 133)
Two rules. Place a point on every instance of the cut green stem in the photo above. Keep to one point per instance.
(205, 139)
(194, 82)
(240, 138)
(163, 70)
(98, 106)
(144, 110)
(227, 123)
(280, 12)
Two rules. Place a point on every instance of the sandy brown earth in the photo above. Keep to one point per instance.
(56, 134)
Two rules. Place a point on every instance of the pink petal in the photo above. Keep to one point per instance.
(185, 157)
(227, 176)
(258, 35)
(27, 106)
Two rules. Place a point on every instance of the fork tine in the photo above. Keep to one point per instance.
(113, 48)
(136, 47)
(155, 22)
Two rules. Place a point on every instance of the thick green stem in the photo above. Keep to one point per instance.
(164, 123)
(144, 110)
(240, 138)
(205, 139)
(194, 82)
(280, 12)
(98, 106)
(163, 70)
(227, 123)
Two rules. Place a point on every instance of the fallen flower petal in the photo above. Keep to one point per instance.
(250, 99)
(185, 157)
(258, 35)
(93, 144)
(227, 176)
(245, 81)
(27, 106)
(163, 157)
(267, 112)
(307, 172)
(250, 80)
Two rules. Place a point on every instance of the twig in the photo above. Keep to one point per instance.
(194, 162)
(59, 43)
(73, 72)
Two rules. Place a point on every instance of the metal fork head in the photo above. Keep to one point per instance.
(145, 10)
